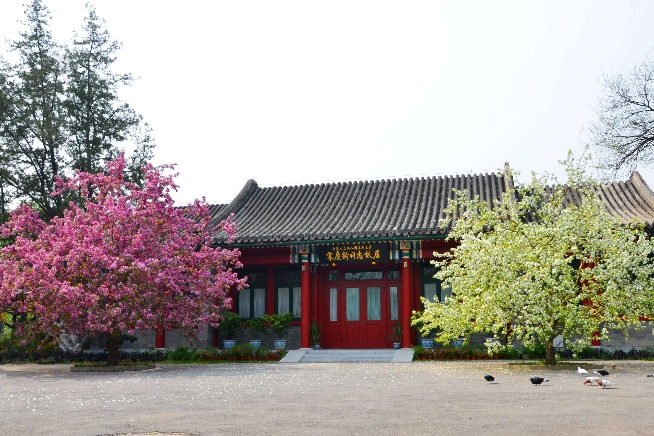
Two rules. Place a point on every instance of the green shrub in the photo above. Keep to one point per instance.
(509, 352)
(182, 354)
(280, 323)
(256, 327)
(230, 323)
(241, 349)
(536, 351)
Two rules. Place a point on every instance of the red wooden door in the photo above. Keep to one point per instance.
(357, 316)
(375, 315)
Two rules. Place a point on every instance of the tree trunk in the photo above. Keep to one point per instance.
(550, 356)
(113, 349)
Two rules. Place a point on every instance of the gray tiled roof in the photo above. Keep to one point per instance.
(631, 199)
(393, 208)
(628, 200)
(386, 209)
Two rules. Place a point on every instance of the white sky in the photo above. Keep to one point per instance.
(294, 92)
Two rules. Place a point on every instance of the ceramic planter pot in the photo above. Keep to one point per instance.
(228, 343)
(427, 343)
(280, 344)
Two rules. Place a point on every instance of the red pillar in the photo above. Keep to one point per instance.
(595, 341)
(305, 320)
(160, 338)
(270, 291)
(405, 316)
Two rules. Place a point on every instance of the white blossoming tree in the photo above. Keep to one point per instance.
(546, 261)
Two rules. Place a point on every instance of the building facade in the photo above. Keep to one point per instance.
(353, 259)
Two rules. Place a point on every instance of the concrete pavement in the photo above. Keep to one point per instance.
(325, 399)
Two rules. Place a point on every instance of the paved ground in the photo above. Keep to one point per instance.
(325, 399)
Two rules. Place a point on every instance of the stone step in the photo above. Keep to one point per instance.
(327, 356)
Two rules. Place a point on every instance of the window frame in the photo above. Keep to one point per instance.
(294, 282)
(427, 278)
(256, 280)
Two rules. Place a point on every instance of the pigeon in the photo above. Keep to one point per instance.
(605, 383)
(581, 371)
(650, 375)
(591, 380)
(489, 378)
(537, 380)
(602, 372)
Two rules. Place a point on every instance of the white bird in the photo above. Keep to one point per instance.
(591, 380)
(606, 383)
(581, 371)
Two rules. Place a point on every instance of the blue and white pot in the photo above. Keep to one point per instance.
(427, 343)
(280, 344)
(228, 343)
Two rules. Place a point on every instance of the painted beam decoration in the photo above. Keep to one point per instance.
(363, 252)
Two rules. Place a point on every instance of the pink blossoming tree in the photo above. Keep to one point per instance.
(125, 260)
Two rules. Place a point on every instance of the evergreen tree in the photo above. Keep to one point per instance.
(60, 112)
(96, 119)
(32, 115)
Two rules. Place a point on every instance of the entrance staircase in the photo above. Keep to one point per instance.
(309, 355)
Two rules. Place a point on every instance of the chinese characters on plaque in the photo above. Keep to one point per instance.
(359, 252)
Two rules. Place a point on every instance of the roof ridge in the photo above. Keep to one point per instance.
(238, 202)
(387, 179)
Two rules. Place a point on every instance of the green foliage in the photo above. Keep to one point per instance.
(280, 323)
(396, 333)
(463, 353)
(244, 352)
(256, 326)
(535, 351)
(419, 321)
(314, 333)
(417, 351)
(230, 323)
(182, 354)
(515, 273)
(15, 350)
(241, 349)
(60, 111)
(599, 353)
(507, 352)
(39, 344)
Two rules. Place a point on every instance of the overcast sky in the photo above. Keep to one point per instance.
(294, 92)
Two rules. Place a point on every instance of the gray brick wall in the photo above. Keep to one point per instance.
(637, 339)
(204, 338)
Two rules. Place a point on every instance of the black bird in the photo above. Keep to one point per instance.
(489, 378)
(650, 375)
(601, 372)
(538, 380)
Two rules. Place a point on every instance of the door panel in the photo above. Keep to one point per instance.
(332, 335)
(375, 324)
(352, 332)
(359, 315)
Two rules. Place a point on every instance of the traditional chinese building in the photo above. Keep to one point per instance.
(354, 257)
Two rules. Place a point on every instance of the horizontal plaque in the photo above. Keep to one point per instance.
(364, 252)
